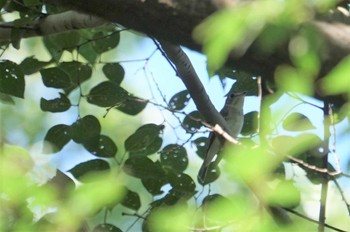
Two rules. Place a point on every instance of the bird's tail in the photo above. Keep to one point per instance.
(202, 174)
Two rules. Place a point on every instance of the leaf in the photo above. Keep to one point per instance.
(218, 208)
(250, 125)
(106, 228)
(31, 65)
(183, 185)
(192, 122)
(284, 194)
(132, 200)
(32, 2)
(92, 166)
(107, 94)
(102, 42)
(78, 73)
(132, 105)
(114, 72)
(55, 52)
(58, 136)
(11, 79)
(103, 147)
(55, 78)
(179, 100)
(143, 137)
(297, 122)
(143, 168)
(246, 82)
(88, 52)
(149, 150)
(60, 104)
(174, 157)
(183, 189)
(154, 185)
(65, 41)
(16, 36)
(85, 130)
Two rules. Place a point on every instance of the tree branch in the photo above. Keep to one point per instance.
(325, 179)
(195, 87)
(52, 24)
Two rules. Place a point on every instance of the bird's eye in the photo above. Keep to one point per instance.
(232, 95)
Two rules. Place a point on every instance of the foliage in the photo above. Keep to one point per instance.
(151, 177)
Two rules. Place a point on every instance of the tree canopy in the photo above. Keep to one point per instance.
(285, 172)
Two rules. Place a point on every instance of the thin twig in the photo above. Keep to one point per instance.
(325, 179)
(313, 220)
(317, 169)
(342, 194)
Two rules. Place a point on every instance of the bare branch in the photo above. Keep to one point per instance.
(195, 87)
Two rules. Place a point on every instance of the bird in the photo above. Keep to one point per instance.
(232, 112)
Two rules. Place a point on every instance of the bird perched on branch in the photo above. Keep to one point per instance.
(233, 114)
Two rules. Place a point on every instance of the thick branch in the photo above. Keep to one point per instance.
(195, 87)
(52, 24)
(174, 21)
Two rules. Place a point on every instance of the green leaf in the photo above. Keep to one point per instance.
(103, 147)
(143, 137)
(183, 185)
(60, 104)
(102, 42)
(55, 52)
(192, 122)
(114, 72)
(337, 81)
(89, 167)
(180, 100)
(78, 73)
(55, 78)
(2, 3)
(32, 2)
(150, 149)
(106, 228)
(132, 105)
(85, 130)
(154, 185)
(16, 36)
(57, 136)
(143, 168)
(31, 65)
(219, 208)
(65, 41)
(11, 79)
(297, 122)
(88, 53)
(107, 94)
(250, 125)
(284, 194)
(132, 200)
(174, 157)
(246, 82)
(183, 189)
